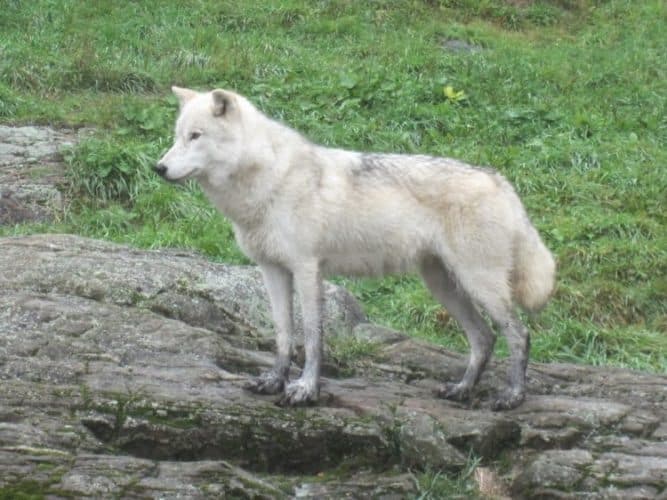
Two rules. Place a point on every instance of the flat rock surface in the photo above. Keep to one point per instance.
(122, 372)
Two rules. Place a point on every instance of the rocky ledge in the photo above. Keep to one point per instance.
(122, 372)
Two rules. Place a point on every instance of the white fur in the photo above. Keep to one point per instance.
(302, 211)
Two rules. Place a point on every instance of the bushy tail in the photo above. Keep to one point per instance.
(534, 271)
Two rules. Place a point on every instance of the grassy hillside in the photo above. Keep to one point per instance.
(567, 98)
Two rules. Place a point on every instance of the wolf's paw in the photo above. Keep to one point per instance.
(454, 392)
(267, 383)
(508, 400)
(300, 393)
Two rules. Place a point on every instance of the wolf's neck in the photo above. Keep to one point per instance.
(245, 196)
(240, 200)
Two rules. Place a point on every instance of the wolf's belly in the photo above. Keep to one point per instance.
(367, 264)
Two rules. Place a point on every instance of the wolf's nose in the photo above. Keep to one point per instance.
(161, 169)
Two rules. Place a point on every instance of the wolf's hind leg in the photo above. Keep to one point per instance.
(500, 309)
(518, 340)
(278, 282)
(450, 294)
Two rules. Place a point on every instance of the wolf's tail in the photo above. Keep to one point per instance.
(534, 271)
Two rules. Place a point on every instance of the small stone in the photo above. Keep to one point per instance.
(455, 45)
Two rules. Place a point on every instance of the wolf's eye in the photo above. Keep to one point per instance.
(194, 135)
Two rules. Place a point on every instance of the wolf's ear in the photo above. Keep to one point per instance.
(184, 95)
(222, 102)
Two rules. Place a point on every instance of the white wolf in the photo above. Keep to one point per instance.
(303, 211)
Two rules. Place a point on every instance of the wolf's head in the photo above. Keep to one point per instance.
(208, 142)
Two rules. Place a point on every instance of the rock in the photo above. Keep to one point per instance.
(388, 486)
(178, 285)
(454, 45)
(122, 372)
(31, 172)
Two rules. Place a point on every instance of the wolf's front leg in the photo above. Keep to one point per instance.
(278, 282)
(306, 390)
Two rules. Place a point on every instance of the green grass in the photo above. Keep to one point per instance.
(435, 485)
(568, 99)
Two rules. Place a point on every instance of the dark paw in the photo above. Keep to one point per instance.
(300, 393)
(267, 383)
(454, 392)
(508, 400)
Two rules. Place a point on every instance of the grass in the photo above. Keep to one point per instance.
(568, 99)
(434, 485)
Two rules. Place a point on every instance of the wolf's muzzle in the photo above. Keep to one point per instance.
(161, 169)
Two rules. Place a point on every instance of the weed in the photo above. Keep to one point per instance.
(433, 485)
(102, 170)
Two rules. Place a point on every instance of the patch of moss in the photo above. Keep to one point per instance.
(24, 490)
(32, 490)
(46, 466)
(348, 352)
(180, 419)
